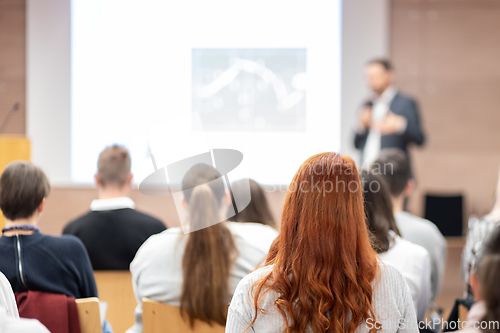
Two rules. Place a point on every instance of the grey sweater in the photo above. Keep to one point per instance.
(392, 304)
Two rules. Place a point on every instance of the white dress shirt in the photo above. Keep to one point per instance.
(414, 263)
(112, 204)
(381, 106)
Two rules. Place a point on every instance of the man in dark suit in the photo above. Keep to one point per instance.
(388, 119)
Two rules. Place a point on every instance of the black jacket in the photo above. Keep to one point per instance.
(404, 106)
(112, 237)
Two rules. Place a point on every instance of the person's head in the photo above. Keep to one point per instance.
(324, 246)
(380, 75)
(113, 169)
(394, 167)
(258, 209)
(378, 209)
(209, 251)
(23, 189)
(485, 279)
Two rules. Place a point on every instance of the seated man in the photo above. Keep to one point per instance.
(394, 167)
(113, 230)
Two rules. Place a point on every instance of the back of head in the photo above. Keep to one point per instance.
(323, 260)
(489, 274)
(393, 166)
(258, 209)
(23, 186)
(209, 251)
(379, 213)
(113, 166)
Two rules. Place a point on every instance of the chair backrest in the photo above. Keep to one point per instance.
(115, 288)
(462, 313)
(89, 315)
(160, 317)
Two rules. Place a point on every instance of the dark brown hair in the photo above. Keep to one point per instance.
(394, 167)
(22, 189)
(258, 209)
(378, 209)
(113, 167)
(210, 250)
(386, 63)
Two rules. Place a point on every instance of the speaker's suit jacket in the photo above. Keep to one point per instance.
(404, 106)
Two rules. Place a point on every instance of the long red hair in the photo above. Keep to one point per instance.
(323, 261)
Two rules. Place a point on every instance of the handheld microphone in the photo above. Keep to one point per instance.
(368, 104)
(5, 122)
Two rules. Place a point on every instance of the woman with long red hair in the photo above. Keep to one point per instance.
(321, 274)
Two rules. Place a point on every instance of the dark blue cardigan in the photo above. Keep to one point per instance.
(58, 265)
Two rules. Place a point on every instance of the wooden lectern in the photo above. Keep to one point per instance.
(13, 148)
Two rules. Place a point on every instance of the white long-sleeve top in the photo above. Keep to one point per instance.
(414, 263)
(157, 266)
(391, 302)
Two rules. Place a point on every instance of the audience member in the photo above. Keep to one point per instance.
(257, 210)
(113, 230)
(30, 259)
(321, 274)
(198, 271)
(484, 316)
(394, 167)
(412, 260)
(475, 236)
(19, 325)
(7, 299)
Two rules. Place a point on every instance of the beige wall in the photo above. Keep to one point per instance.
(447, 54)
(12, 63)
(65, 204)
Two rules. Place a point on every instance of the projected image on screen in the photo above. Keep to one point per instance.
(264, 81)
(249, 89)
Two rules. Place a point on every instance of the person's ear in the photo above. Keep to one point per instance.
(184, 203)
(410, 186)
(41, 206)
(227, 198)
(97, 181)
(129, 180)
(474, 283)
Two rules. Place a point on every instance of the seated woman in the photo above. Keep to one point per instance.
(321, 274)
(30, 259)
(257, 210)
(197, 271)
(412, 260)
(254, 216)
(484, 315)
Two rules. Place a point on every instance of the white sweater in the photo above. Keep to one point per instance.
(391, 302)
(414, 263)
(157, 266)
